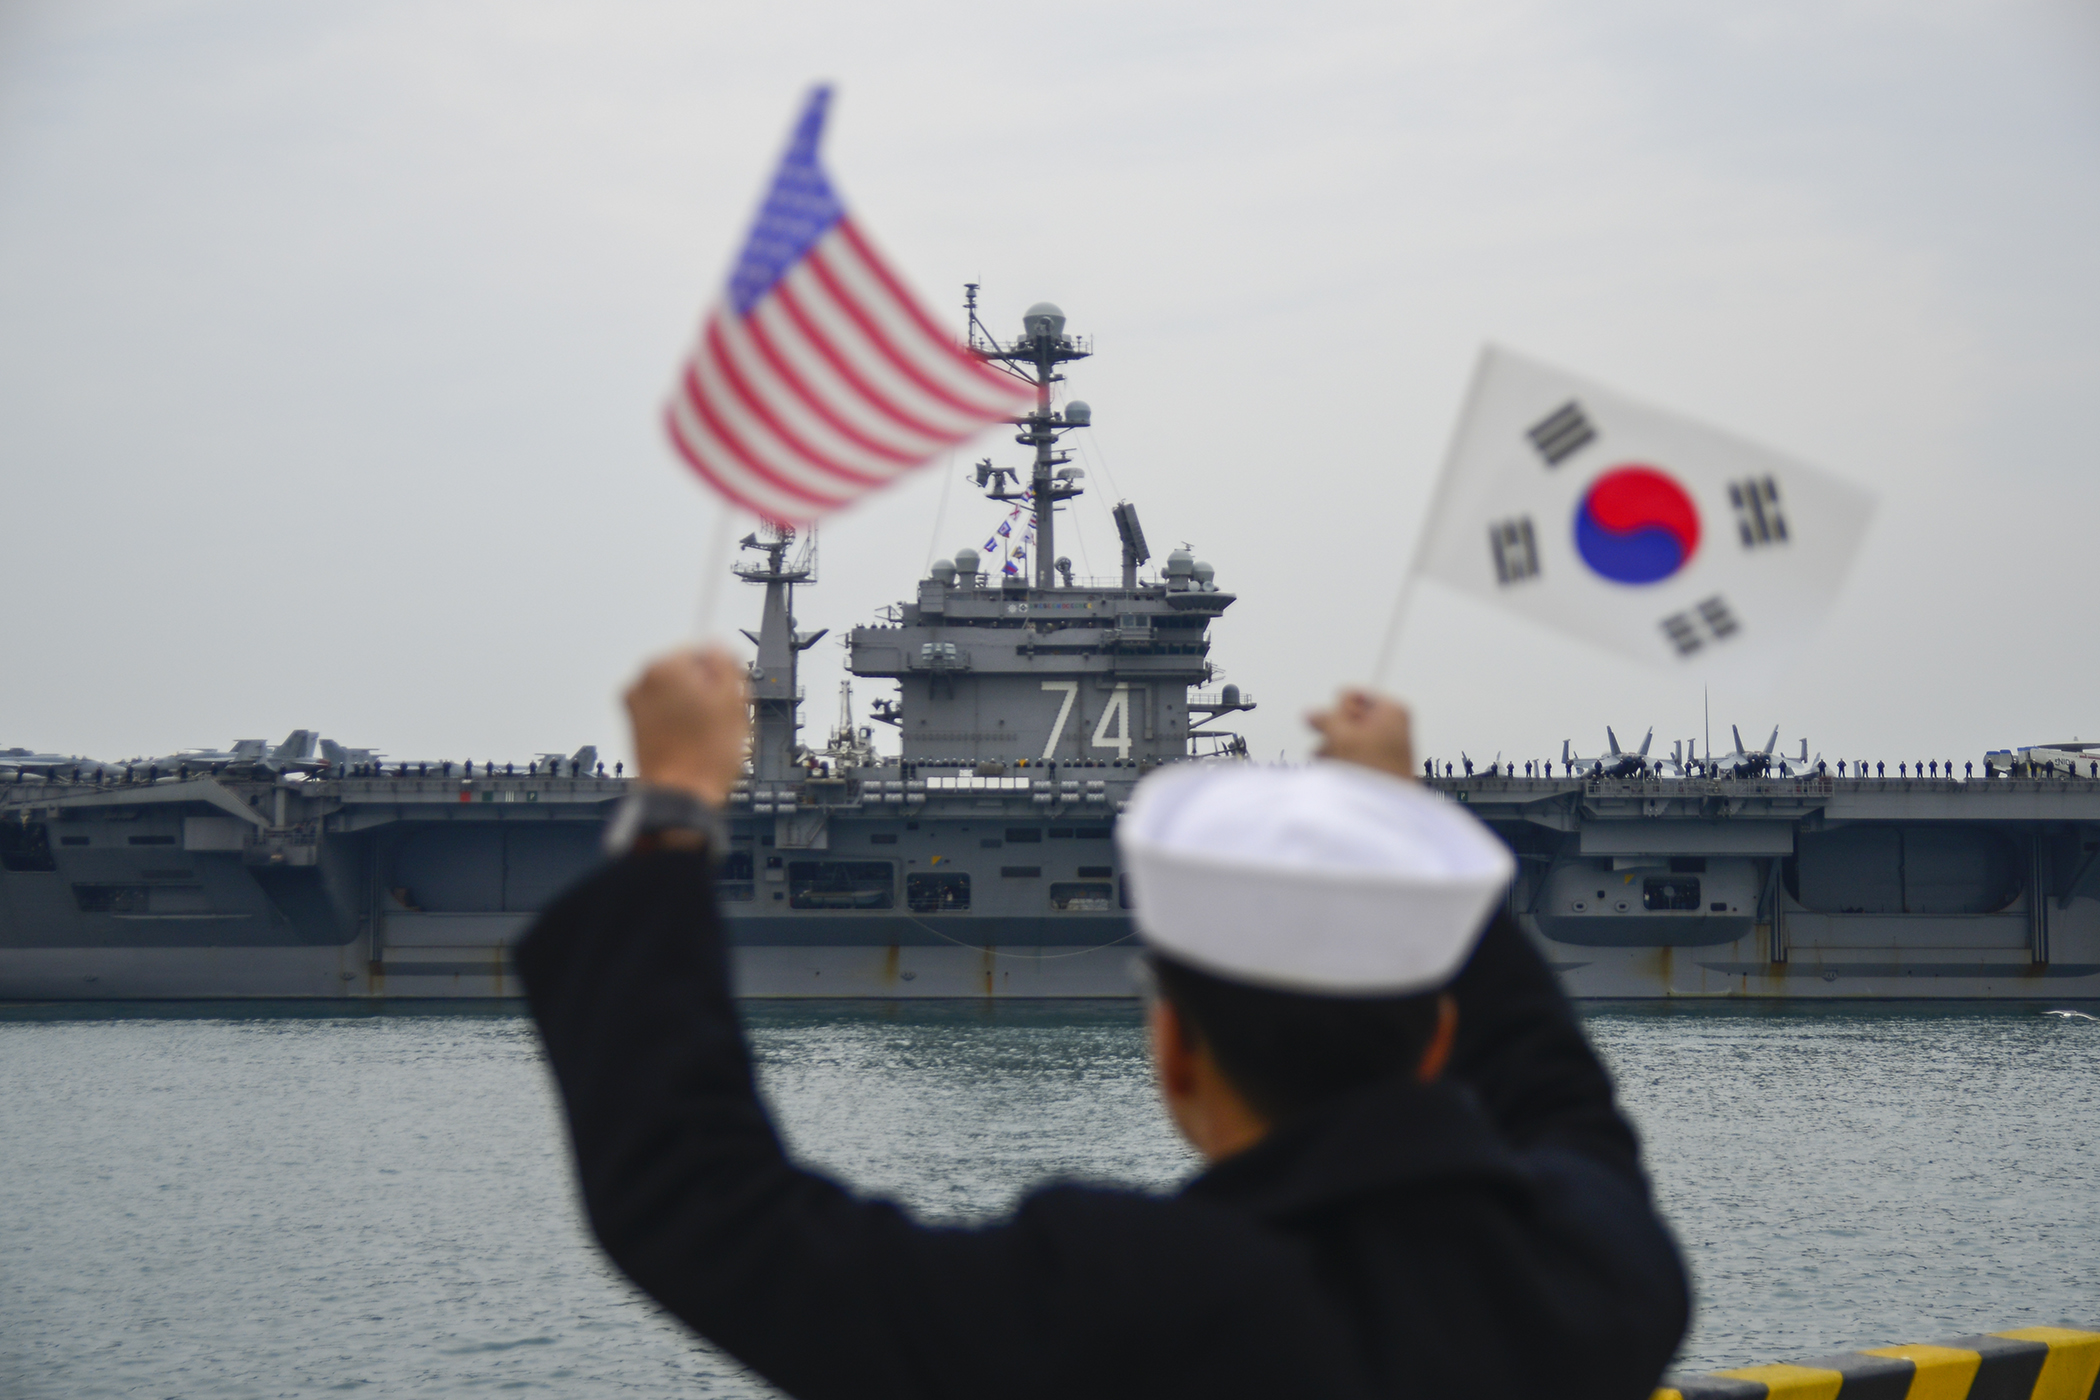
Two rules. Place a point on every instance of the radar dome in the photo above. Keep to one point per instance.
(1181, 563)
(944, 571)
(1043, 318)
(966, 563)
(1079, 413)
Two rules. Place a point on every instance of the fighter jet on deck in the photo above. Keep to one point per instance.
(1760, 763)
(24, 763)
(2033, 760)
(1614, 762)
(294, 755)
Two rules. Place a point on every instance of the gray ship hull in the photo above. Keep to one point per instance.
(415, 888)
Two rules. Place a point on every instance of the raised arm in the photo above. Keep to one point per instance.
(828, 1296)
(1520, 1046)
(1522, 1050)
(685, 1181)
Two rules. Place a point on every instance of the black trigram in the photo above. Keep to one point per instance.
(1710, 621)
(1757, 516)
(1516, 552)
(1562, 433)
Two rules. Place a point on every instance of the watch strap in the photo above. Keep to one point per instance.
(647, 810)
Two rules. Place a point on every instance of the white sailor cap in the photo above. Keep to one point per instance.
(1334, 879)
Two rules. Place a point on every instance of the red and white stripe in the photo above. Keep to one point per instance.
(837, 382)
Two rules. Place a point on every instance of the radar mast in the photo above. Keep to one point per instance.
(1043, 346)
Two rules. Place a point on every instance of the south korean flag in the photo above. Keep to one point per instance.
(1654, 535)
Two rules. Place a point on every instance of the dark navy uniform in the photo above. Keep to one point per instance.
(1489, 1235)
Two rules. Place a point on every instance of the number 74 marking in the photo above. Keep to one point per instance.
(1117, 711)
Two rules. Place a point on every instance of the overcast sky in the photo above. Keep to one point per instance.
(332, 336)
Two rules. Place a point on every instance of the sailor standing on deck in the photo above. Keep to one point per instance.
(1418, 1181)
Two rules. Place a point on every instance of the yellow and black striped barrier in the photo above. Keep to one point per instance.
(2028, 1363)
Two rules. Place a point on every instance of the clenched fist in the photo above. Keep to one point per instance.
(1366, 728)
(691, 722)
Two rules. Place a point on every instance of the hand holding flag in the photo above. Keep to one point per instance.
(819, 376)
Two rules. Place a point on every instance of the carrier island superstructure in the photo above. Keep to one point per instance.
(977, 860)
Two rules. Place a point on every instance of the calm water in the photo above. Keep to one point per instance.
(192, 1205)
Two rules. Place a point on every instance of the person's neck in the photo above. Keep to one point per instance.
(1225, 1125)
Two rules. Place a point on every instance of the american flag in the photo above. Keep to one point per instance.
(819, 376)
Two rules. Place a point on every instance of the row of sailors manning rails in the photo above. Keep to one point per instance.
(552, 766)
(1595, 768)
(108, 775)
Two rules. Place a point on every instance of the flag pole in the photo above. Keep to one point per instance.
(717, 564)
(1391, 645)
(1389, 649)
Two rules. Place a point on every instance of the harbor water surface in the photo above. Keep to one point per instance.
(271, 1201)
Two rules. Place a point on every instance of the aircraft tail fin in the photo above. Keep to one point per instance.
(298, 746)
(1773, 742)
(1647, 741)
(586, 758)
(1566, 758)
(1804, 748)
(1611, 739)
(1738, 734)
(250, 749)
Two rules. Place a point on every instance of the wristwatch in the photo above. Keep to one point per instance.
(658, 818)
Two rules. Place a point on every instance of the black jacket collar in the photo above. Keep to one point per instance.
(1395, 1134)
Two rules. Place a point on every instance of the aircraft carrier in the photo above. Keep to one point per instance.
(977, 861)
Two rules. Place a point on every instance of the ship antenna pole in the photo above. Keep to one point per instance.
(1043, 497)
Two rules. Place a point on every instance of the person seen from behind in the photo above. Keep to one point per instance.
(1418, 1182)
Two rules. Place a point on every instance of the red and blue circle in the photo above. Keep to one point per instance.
(1636, 525)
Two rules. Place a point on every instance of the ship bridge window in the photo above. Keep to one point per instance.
(841, 884)
(1096, 872)
(1670, 892)
(883, 838)
(151, 840)
(735, 866)
(1024, 833)
(936, 893)
(1074, 896)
